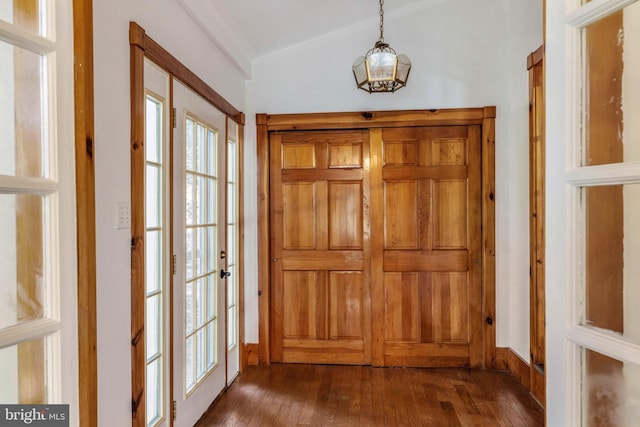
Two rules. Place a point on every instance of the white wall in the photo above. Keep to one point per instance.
(166, 23)
(465, 53)
(525, 30)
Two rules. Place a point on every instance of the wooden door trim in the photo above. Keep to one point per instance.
(138, 358)
(156, 53)
(489, 237)
(373, 119)
(535, 68)
(485, 117)
(85, 212)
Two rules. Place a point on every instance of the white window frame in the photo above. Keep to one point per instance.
(564, 231)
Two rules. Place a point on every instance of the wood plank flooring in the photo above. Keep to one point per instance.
(320, 395)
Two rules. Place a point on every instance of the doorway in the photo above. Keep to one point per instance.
(199, 238)
(375, 247)
(185, 215)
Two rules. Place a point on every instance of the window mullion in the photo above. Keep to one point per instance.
(27, 331)
(605, 342)
(618, 173)
(27, 185)
(594, 11)
(24, 39)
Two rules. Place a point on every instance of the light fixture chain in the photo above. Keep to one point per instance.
(381, 21)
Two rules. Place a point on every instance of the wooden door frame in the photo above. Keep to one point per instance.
(535, 67)
(485, 116)
(84, 141)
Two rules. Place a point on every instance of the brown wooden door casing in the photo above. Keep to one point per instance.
(535, 66)
(482, 335)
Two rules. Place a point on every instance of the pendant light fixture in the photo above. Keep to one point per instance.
(381, 69)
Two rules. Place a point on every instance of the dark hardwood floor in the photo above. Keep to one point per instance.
(320, 395)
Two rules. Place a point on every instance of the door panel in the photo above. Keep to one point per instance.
(449, 214)
(428, 302)
(346, 305)
(320, 247)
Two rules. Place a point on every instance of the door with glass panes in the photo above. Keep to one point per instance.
(200, 254)
(592, 57)
(39, 350)
(192, 264)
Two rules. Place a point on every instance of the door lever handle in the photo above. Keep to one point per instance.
(224, 274)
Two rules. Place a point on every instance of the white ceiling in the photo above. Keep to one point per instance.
(270, 25)
(247, 29)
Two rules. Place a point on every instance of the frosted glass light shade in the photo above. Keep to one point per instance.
(381, 70)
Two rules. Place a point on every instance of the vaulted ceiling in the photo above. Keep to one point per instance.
(247, 29)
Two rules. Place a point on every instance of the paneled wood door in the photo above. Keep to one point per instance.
(376, 247)
(426, 269)
(320, 247)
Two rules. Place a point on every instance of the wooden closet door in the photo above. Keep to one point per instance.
(320, 247)
(426, 266)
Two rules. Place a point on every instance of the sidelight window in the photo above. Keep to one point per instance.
(233, 221)
(155, 259)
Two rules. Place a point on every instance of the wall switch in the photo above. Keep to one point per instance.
(123, 215)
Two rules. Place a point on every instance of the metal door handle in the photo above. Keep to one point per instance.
(224, 274)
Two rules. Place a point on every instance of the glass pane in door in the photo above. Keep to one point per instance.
(25, 372)
(24, 275)
(610, 390)
(23, 112)
(611, 94)
(29, 15)
(612, 251)
(201, 247)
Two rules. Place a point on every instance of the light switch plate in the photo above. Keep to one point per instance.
(123, 213)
